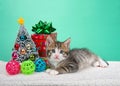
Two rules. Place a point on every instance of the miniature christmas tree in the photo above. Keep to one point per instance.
(24, 47)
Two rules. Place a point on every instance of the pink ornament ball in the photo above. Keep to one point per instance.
(13, 67)
(14, 55)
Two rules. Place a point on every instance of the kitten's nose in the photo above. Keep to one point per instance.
(56, 56)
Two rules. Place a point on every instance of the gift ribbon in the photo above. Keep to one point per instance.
(43, 28)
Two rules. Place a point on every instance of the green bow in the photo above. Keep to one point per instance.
(43, 28)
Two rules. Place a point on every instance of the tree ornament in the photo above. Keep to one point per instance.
(22, 51)
(23, 37)
(14, 55)
(21, 21)
(16, 46)
(32, 57)
(28, 46)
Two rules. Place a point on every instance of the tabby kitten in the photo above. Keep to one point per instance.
(63, 60)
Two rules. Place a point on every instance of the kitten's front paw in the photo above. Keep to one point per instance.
(48, 70)
(53, 72)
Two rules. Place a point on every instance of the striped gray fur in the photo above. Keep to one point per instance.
(64, 60)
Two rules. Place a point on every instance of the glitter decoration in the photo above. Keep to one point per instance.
(24, 46)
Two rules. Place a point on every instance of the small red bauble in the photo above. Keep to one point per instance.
(14, 55)
(16, 46)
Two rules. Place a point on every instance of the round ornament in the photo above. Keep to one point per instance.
(13, 67)
(27, 67)
(22, 51)
(14, 55)
(40, 65)
(23, 37)
(28, 46)
(16, 46)
(32, 57)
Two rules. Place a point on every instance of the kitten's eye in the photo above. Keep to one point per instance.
(61, 51)
(53, 50)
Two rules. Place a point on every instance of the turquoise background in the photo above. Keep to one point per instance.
(94, 24)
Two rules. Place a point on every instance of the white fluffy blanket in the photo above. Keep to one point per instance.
(93, 76)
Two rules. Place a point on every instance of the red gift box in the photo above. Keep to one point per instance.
(40, 42)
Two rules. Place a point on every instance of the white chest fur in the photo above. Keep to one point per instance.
(54, 63)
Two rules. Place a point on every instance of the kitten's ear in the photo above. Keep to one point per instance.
(67, 42)
(49, 41)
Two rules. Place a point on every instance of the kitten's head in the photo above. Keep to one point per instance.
(57, 51)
